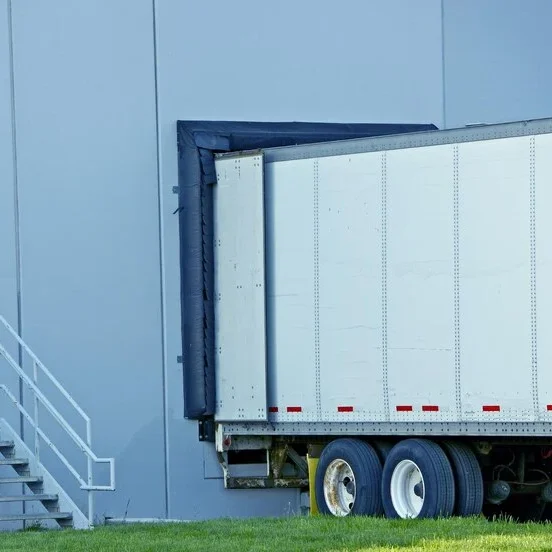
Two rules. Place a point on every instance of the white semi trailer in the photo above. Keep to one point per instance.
(384, 305)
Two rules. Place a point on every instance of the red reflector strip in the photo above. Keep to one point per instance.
(491, 408)
(430, 408)
(404, 408)
(549, 407)
(273, 409)
(294, 409)
(344, 408)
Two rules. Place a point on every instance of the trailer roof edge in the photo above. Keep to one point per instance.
(432, 137)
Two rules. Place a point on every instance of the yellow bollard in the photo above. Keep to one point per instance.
(312, 463)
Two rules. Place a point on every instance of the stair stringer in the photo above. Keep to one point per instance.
(50, 485)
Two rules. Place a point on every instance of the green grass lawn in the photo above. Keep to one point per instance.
(293, 534)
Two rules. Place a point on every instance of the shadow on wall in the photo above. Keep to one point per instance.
(140, 477)
(197, 492)
(140, 481)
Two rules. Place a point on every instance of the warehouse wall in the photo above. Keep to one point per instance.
(98, 88)
(497, 60)
(87, 176)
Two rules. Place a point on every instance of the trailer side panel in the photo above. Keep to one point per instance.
(406, 287)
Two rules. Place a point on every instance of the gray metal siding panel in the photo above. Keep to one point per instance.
(8, 242)
(304, 76)
(496, 54)
(89, 226)
(8, 269)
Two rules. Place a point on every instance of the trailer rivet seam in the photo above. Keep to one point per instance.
(456, 284)
(317, 293)
(533, 253)
(384, 359)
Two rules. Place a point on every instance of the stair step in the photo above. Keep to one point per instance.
(13, 461)
(23, 479)
(6, 444)
(36, 517)
(29, 498)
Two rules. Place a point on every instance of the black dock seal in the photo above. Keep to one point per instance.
(197, 143)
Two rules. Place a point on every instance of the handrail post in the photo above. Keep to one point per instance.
(36, 436)
(90, 507)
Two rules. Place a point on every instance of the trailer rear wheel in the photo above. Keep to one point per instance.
(467, 478)
(417, 481)
(348, 479)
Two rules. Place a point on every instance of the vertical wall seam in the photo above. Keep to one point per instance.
(385, 375)
(317, 292)
(160, 206)
(443, 66)
(533, 263)
(17, 224)
(456, 242)
(16, 205)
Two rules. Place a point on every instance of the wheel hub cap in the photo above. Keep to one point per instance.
(339, 488)
(407, 489)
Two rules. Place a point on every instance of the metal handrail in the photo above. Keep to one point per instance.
(29, 418)
(47, 372)
(39, 397)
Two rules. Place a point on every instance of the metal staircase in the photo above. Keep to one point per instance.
(43, 500)
(46, 502)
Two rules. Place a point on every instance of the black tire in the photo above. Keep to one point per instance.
(383, 448)
(366, 468)
(438, 479)
(467, 478)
